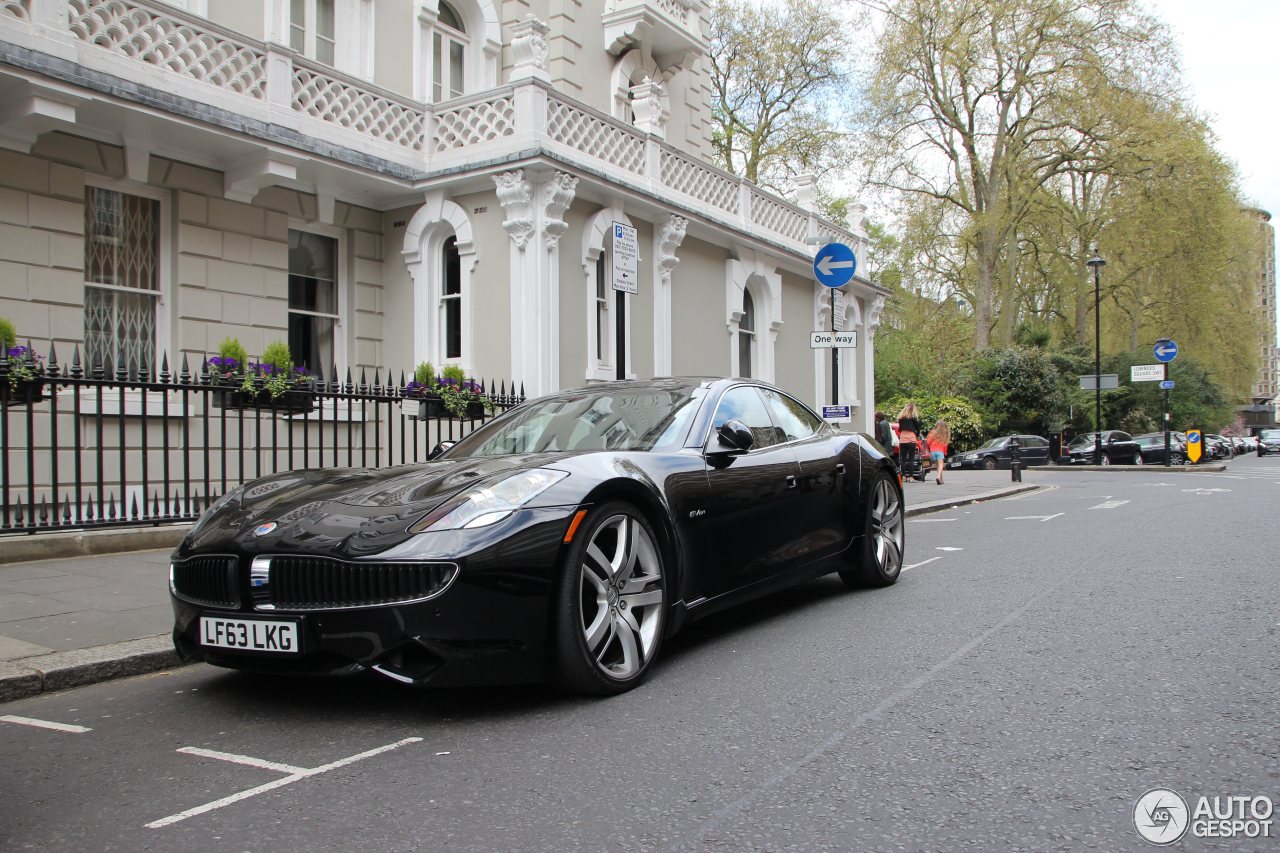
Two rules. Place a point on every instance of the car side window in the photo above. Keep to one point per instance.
(796, 421)
(745, 404)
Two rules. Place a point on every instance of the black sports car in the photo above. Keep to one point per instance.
(563, 540)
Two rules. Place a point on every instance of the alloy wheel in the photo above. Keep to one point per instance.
(886, 528)
(620, 595)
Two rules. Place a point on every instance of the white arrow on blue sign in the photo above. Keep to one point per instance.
(1166, 350)
(1166, 384)
(834, 264)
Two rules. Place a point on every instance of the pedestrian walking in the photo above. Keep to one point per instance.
(937, 441)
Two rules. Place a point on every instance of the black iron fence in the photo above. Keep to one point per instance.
(82, 450)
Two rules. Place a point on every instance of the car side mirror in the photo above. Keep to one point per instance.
(734, 436)
(440, 448)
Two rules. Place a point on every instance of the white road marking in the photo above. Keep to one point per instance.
(301, 773)
(1205, 491)
(247, 760)
(921, 563)
(45, 724)
(1109, 505)
(1033, 517)
(947, 548)
(928, 520)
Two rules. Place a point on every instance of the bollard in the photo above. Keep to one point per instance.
(1015, 459)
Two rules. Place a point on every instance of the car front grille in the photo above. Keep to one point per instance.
(323, 583)
(209, 580)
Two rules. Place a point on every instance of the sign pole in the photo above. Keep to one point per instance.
(835, 361)
(1165, 386)
(833, 266)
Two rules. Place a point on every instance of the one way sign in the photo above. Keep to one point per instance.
(834, 265)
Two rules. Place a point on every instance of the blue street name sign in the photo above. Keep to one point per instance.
(1166, 384)
(1165, 350)
(834, 265)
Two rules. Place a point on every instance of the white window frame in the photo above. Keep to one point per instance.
(761, 276)
(752, 334)
(483, 46)
(435, 222)
(353, 32)
(464, 305)
(164, 284)
(597, 242)
(342, 298)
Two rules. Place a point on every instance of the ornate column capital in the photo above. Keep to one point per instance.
(516, 197)
(669, 239)
(557, 195)
(873, 314)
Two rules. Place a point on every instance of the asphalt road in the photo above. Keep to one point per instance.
(1044, 661)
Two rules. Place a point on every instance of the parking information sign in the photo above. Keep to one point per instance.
(836, 414)
(626, 258)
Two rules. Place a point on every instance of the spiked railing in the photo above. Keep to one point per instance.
(89, 446)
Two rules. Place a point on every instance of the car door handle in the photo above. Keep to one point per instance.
(791, 481)
(839, 467)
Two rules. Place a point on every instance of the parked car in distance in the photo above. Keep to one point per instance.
(1218, 446)
(1152, 444)
(1118, 448)
(1268, 441)
(997, 453)
(1238, 444)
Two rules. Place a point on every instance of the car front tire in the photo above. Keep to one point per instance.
(990, 463)
(883, 536)
(611, 603)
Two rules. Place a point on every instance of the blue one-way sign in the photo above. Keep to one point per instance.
(834, 264)
(1166, 350)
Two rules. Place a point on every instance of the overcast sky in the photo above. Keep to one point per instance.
(1229, 49)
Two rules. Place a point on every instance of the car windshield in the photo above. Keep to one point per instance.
(607, 419)
(1270, 434)
(993, 443)
(1083, 440)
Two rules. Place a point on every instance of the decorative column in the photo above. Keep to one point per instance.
(535, 208)
(529, 49)
(649, 103)
(666, 240)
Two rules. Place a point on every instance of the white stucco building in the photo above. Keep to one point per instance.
(385, 183)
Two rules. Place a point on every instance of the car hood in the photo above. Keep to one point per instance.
(343, 512)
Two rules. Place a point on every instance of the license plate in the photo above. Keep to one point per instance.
(253, 635)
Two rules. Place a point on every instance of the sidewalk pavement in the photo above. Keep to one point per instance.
(78, 617)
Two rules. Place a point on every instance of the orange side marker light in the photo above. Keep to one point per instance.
(573, 525)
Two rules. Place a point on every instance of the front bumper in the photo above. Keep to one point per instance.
(489, 626)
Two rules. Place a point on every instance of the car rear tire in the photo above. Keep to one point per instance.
(611, 603)
(990, 463)
(883, 536)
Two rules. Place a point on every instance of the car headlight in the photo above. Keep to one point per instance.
(490, 504)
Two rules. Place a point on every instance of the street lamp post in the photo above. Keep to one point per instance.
(1096, 263)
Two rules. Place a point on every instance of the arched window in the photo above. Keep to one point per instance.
(602, 311)
(449, 45)
(746, 335)
(451, 298)
(608, 323)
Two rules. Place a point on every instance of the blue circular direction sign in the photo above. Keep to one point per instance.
(1165, 350)
(834, 264)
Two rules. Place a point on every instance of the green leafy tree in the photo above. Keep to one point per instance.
(779, 72)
